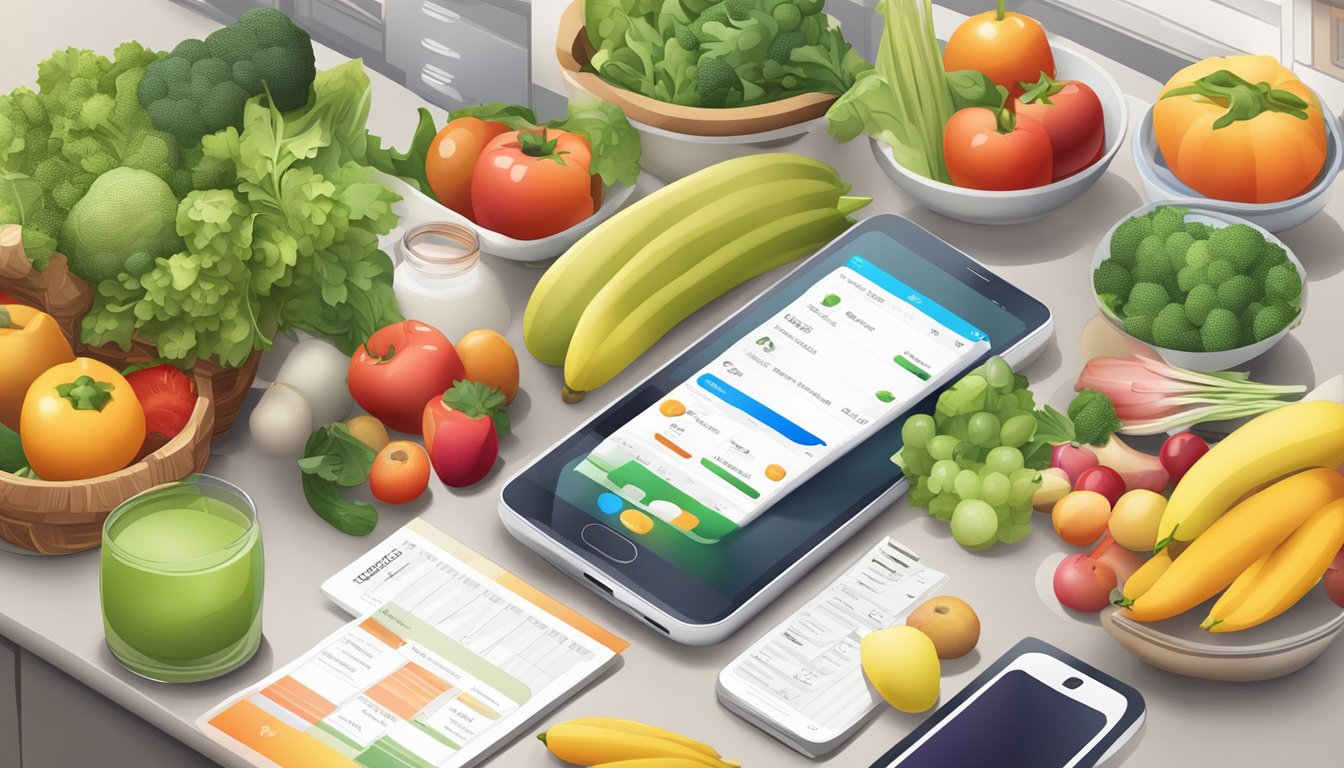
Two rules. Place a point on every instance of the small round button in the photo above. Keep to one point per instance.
(608, 543)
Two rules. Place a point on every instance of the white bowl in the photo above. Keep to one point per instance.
(1016, 206)
(1204, 361)
(1161, 184)
(670, 156)
(417, 208)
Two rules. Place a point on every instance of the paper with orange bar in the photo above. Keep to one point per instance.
(457, 656)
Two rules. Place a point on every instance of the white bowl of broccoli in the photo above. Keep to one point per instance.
(1220, 293)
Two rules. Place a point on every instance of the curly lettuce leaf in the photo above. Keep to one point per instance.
(615, 143)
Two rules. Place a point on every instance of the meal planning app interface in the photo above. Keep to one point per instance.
(847, 357)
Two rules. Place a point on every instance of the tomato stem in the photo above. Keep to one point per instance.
(1005, 121)
(1001, 14)
(1041, 90)
(535, 144)
(1244, 100)
(384, 358)
(86, 394)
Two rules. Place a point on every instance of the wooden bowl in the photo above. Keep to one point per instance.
(62, 517)
(67, 298)
(575, 51)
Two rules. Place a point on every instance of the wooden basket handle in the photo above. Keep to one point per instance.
(60, 294)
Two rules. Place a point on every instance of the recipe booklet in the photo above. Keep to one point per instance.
(452, 657)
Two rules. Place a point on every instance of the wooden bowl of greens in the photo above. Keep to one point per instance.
(658, 70)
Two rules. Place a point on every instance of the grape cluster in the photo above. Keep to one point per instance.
(974, 463)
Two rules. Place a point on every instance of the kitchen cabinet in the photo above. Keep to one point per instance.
(457, 53)
(353, 27)
(53, 707)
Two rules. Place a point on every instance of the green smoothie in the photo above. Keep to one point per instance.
(182, 575)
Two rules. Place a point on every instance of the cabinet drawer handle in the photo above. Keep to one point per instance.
(439, 80)
(439, 13)
(435, 46)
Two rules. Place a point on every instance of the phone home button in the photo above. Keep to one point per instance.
(609, 543)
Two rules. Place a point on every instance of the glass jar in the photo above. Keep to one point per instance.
(442, 282)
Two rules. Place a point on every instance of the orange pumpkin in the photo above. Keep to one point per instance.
(1241, 128)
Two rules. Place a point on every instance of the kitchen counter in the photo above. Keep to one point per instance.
(49, 606)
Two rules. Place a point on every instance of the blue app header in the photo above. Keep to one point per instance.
(914, 298)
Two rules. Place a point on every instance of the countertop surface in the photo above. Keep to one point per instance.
(50, 605)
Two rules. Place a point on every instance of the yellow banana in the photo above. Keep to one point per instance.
(621, 324)
(576, 277)
(1245, 534)
(636, 727)
(1147, 575)
(1236, 594)
(1289, 573)
(590, 745)
(1270, 446)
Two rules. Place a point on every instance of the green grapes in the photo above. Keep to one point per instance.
(974, 463)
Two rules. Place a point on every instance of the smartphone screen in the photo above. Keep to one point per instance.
(845, 358)
(1018, 722)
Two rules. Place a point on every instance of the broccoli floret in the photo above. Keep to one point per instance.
(1146, 299)
(1191, 276)
(1220, 331)
(1220, 271)
(138, 264)
(202, 85)
(1169, 219)
(1240, 244)
(715, 78)
(1283, 283)
(716, 12)
(1237, 293)
(1201, 300)
(127, 211)
(1125, 242)
(783, 45)
(1140, 327)
(1178, 243)
(687, 39)
(1093, 417)
(1248, 322)
(1198, 254)
(1171, 328)
(1151, 264)
(787, 16)
(1198, 229)
(739, 10)
(1271, 320)
(1112, 280)
(1273, 253)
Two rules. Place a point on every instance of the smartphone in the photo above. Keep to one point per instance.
(1037, 707)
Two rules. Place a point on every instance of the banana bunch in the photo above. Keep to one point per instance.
(1267, 552)
(646, 269)
(608, 742)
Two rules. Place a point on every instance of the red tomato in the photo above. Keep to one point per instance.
(462, 431)
(1084, 583)
(5, 298)
(168, 397)
(1103, 480)
(452, 157)
(400, 473)
(532, 184)
(993, 150)
(1072, 116)
(399, 369)
(1180, 452)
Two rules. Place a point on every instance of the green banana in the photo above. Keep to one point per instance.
(566, 289)
(620, 325)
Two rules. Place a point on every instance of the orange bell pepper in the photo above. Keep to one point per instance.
(1241, 128)
(30, 343)
(81, 419)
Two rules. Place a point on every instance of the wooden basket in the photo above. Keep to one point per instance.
(574, 51)
(61, 517)
(67, 298)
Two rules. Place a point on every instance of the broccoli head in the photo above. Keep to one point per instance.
(1198, 254)
(715, 79)
(1140, 327)
(1203, 298)
(787, 16)
(1240, 244)
(1220, 271)
(1283, 283)
(687, 39)
(1151, 264)
(1271, 320)
(1169, 219)
(782, 46)
(1192, 276)
(1237, 292)
(1173, 330)
(1177, 245)
(1093, 417)
(1113, 281)
(1198, 229)
(1146, 299)
(202, 85)
(1125, 241)
(126, 211)
(1221, 331)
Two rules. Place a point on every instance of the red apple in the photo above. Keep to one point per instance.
(1334, 586)
(1103, 480)
(1073, 460)
(1180, 452)
(1084, 583)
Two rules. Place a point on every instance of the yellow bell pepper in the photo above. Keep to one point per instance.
(81, 419)
(1241, 128)
(30, 343)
